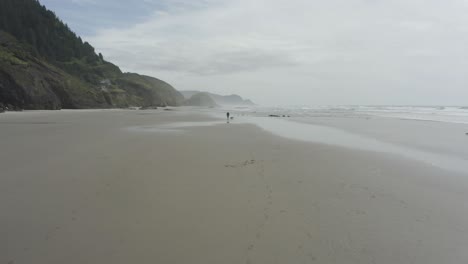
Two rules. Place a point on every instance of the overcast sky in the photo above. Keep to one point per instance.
(287, 51)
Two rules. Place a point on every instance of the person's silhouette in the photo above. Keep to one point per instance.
(227, 116)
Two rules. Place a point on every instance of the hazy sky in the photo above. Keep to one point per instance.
(287, 51)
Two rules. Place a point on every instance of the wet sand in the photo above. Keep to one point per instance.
(121, 186)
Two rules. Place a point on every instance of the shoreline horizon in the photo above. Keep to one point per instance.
(308, 130)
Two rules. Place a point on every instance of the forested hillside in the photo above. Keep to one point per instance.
(45, 65)
(30, 22)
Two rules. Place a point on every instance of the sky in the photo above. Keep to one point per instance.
(287, 52)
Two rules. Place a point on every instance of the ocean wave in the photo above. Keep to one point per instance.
(449, 114)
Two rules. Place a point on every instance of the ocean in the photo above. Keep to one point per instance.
(449, 114)
(435, 135)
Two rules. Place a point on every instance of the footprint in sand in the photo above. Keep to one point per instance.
(49, 235)
(312, 258)
(241, 164)
(360, 212)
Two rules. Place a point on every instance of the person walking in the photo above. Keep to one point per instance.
(227, 116)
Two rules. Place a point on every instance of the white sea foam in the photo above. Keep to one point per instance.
(449, 114)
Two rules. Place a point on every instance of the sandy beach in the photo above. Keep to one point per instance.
(121, 186)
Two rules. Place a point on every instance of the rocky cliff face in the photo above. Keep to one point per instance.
(30, 82)
(44, 65)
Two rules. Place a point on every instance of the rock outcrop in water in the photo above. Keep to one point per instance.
(44, 65)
